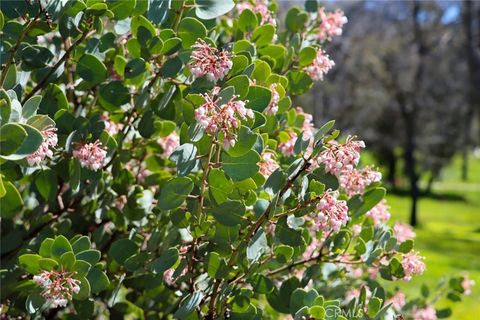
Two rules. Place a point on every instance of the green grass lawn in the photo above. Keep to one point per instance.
(448, 234)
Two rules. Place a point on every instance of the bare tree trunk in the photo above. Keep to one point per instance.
(465, 155)
(473, 81)
(431, 179)
(409, 114)
(467, 24)
(392, 168)
(411, 163)
(476, 45)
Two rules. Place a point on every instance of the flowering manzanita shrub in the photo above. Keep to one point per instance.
(153, 166)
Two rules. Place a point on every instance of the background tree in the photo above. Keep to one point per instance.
(471, 18)
(403, 79)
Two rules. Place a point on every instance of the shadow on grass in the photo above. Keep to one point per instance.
(460, 252)
(446, 196)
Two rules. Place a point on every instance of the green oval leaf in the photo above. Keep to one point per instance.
(113, 95)
(134, 68)
(189, 304)
(247, 21)
(122, 249)
(166, 260)
(12, 136)
(46, 183)
(174, 192)
(261, 284)
(81, 244)
(184, 157)
(158, 10)
(34, 302)
(85, 290)
(241, 168)
(263, 35)
(190, 30)
(12, 202)
(258, 98)
(298, 82)
(210, 9)
(245, 141)
(91, 69)
(257, 246)
(121, 9)
(219, 186)
(54, 99)
(48, 264)
(59, 246)
(229, 213)
(98, 280)
(91, 256)
(30, 107)
(30, 263)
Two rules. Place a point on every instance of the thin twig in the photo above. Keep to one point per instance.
(201, 198)
(56, 66)
(124, 132)
(69, 71)
(250, 232)
(17, 45)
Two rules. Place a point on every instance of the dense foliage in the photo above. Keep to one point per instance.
(153, 166)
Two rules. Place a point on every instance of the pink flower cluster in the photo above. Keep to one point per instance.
(168, 274)
(50, 140)
(307, 125)
(222, 118)
(374, 270)
(403, 232)
(357, 229)
(260, 7)
(314, 245)
(287, 147)
(308, 132)
(270, 228)
(273, 106)
(412, 264)
(427, 313)
(209, 61)
(354, 293)
(380, 213)
(332, 213)
(353, 270)
(467, 285)
(111, 127)
(398, 301)
(331, 24)
(91, 155)
(120, 202)
(267, 164)
(320, 66)
(58, 287)
(140, 168)
(169, 143)
(354, 182)
(142, 173)
(339, 158)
